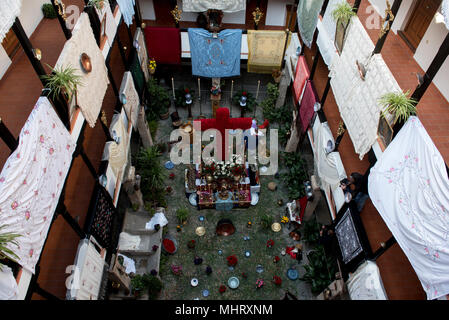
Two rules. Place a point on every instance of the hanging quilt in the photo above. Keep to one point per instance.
(94, 84)
(129, 93)
(127, 10)
(9, 11)
(204, 5)
(301, 75)
(409, 187)
(108, 24)
(117, 154)
(366, 283)
(348, 239)
(32, 180)
(138, 75)
(326, 45)
(308, 12)
(101, 227)
(139, 40)
(164, 44)
(265, 50)
(215, 57)
(306, 110)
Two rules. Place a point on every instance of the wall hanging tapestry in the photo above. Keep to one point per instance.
(127, 9)
(101, 227)
(308, 12)
(215, 57)
(348, 239)
(108, 25)
(32, 179)
(129, 93)
(9, 11)
(117, 154)
(302, 73)
(139, 40)
(265, 50)
(170, 50)
(137, 74)
(366, 283)
(204, 5)
(306, 109)
(94, 83)
(410, 189)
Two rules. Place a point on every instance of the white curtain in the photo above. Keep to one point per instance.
(94, 84)
(32, 180)
(325, 44)
(9, 10)
(8, 284)
(409, 186)
(204, 5)
(128, 91)
(366, 283)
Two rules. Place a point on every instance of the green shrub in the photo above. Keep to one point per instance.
(48, 11)
(153, 125)
(148, 282)
(159, 100)
(266, 221)
(296, 175)
(182, 214)
(269, 103)
(148, 165)
(320, 271)
(311, 232)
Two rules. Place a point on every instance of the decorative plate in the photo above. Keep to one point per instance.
(192, 199)
(194, 282)
(205, 293)
(259, 268)
(292, 274)
(233, 282)
(276, 227)
(247, 254)
(254, 199)
(200, 231)
(169, 165)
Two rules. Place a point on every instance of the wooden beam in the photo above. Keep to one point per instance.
(324, 7)
(67, 32)
(384, 247)
(8, 137)
(381, 41)
(315, 63)
(44, 293)
(122, 51)
(138, 14)
(326, 92)
(70, 220)
(94, 22)
(356, 5)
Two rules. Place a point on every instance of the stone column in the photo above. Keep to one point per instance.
(293, 142)
(144, 130)
(283, 86)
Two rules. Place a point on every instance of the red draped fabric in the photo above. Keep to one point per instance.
(308, 101)
(164, 44)
(301, 76)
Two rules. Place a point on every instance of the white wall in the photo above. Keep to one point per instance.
(147, 9)
(234, 18)
(277, 12)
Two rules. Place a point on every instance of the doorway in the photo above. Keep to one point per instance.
(419, 21)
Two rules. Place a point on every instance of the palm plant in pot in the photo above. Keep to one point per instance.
(62, 81)
(5, 251)
(159, 101)
(342, 15)
(398, 105)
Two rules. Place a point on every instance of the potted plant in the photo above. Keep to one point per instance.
(182, 214)
(319, 271)
(154, 285)
(152, 65)
(270, 243)
(159, 101)
(249, 104)
(342, 15)
(277, 75)
(222, 288)
(62, 81)
(277, 280)
(268, 105)
(48, 11)
(399, 105)
(232, 260)
(99, 4)
(7, 239)
(138, 284)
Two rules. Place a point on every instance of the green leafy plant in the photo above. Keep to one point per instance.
(250, 102)
(155, 286)
(269, 103)
(284, 133)
(343, 12)
(62, 81)
(311, 232)
(48, 11)
(182, 214)
(153, 125)
(144, 282)
(96, 3)
(320, 271)
(180, 94)
(266, 221)
(296, 175)
(159, 100)
(6, 239)
(399, 105)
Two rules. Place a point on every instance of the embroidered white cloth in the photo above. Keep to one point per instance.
(409, 187)
(325, 44)
(94, 84)
(128, 91)
(118, 153)
(158, 218)
(445, 11)
(366, 284)
(110, 26)
(9, 10)
(142, 52)
(129, 264)
(32, 180)
(128, 242)
(204, 5)
(8, 285)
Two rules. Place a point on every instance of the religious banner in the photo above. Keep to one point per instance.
(136, 71)
(108, 24)
(215, 56)
(308, 101)
(139, 43)
(9, 11)
(89, 95)
(308, 12)
(104, 213)
(265, 50)
(302, 73)
(127, 9)
(32, 180)
(164, 44)
(130, 98)
(204, 5)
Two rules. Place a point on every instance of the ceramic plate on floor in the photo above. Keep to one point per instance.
(169, 165)
(233, 283)
(194, 282)
(192, 199)
(205, 293)
(292, 274)
(254, 199)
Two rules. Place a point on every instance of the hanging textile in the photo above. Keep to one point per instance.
(137, 74)
(302, 73)
(128, 92)
(409, 187)
(326, 45)
(101, 227)
(141, 48)
(204, 5)
(445, 11)
(306, 109)
(265, 50)
(32, 180)
(347, 236)
(215, 57)
(328, 22)
(8, 284)
(9, 11)
(94, 84)
(127, 10)
(108, 24)
(308, 12)
(164, 44)
(366, 283)
(117, 154)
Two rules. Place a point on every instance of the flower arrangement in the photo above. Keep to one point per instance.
(215, 90)
(169, 189)
(250, 101)
(177, 270)
(232, 260)
(191, 244)
(155, 247)
(171, 176)
(222, 288)
(152, 65)
(259, 283)
(209, 169)
(284, 219)
(270, 243)
(169, 245)
(237, 170)
(244, 275)
(277, 280)
(249, 224)
(276, 259)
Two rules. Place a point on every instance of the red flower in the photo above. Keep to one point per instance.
(244, 93)
(232, 260)
(270, 243)
(222, 288)
(276, 259)
(172, 175)
(186, 90)
(277, 280)
(169, 246)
